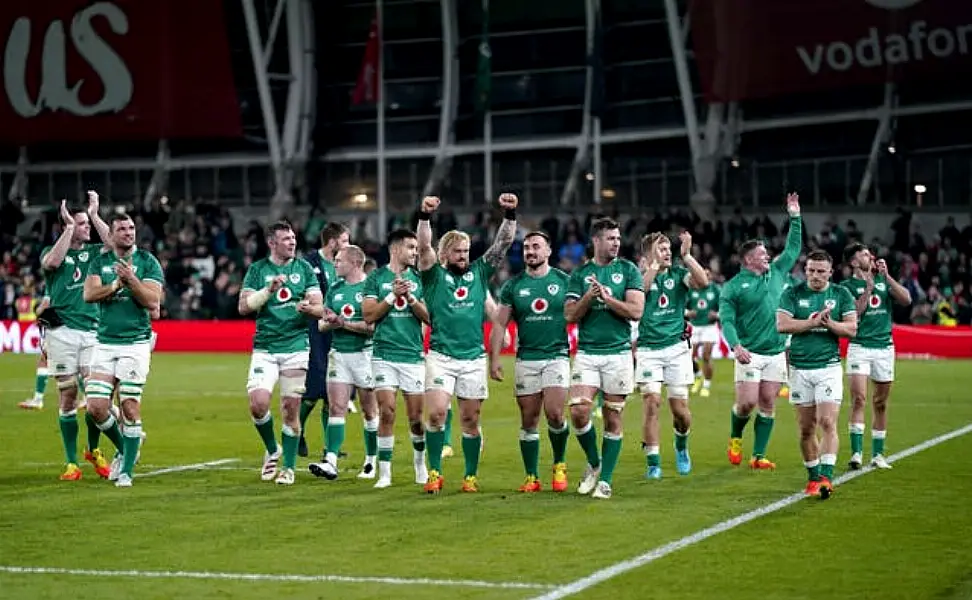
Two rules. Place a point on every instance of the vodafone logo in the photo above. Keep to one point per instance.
(703, 304)
(539, 306)
(875, 301)
(663, 301)
(347, 311)
(76, 276)
(284, 294)
(892, 4)
(461, 293)
(400, 303)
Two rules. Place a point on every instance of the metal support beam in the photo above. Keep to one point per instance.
(274, 28)
(382, 195)
(263, 90)
(582, 156)
(309, 88)
(676, 37)
(450, 95)
(880, 139)
(18, 187)
(159, 184)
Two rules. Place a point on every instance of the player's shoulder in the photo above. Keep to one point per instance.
(626, 264)
(559, 275)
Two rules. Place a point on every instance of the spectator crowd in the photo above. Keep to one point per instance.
(205, 254)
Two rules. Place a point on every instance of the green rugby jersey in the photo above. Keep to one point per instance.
(537, 305)
(65, 287)
(817, 348)
(122, 319)
(747, 306)
(280, 329)
(345, 299)
(457, 308)
(874, 326)
(703, 302)
(663, 320)
(601, 331)
(398, 335)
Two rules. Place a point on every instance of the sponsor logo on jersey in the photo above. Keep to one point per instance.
(347, 311)
(284, 294)
(710, 296)
(552, 289)
(875, 301)
(663, 301)
(76, 276)
(539, 306)
(880, 286)
(461, 293)
(295, 278)
(400, 303)
(703, 304)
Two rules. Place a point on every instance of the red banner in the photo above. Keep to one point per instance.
(754, 48)
(923, 341)
(77, 70)
(366, 89)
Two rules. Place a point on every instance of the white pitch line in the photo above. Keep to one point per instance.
(192, 467)
(469, 583)
(631, 564)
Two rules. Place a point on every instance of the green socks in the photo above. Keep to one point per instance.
(762, 430)
(68, 423)
(447, 431)
(681, 440)
(434, 440)
(335, 435)
(610, 450)
(94, 434)
(857, 438)
(813, 470)
(530, 451)
(371, 437)
(737, 424)
(471, 446)
(587, 436)
(264, 427)
(877, 442)
(290, 439)
(132, 439)
(40, 383)
(558, 443)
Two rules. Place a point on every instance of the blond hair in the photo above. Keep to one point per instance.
(355, 254)
(449, 240)
(650, 239)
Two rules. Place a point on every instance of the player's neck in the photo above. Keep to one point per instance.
(76, 244)
(355, 277)
(823, 289)
(326, 255)
(124, 253)
(278, 260)
(602, 261)
(540, 270)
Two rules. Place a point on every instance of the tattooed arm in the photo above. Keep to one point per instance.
(506, 233)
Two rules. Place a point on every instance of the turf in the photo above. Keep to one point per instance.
(896, 534)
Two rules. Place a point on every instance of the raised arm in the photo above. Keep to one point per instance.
(898, 292)
(785, 262)
(697, 278)
(426, 257)
(104, 231)
(55, 256)
(496, 253)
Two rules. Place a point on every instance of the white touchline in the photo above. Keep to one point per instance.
(192, 467)
(631, 564)
(470, 583)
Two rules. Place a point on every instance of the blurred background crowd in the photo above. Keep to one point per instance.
(205, 251)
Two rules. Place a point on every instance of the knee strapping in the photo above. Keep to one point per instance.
(678, 391)
(96, 389)
(651, 387)
(616, 406)
(579, 401)
(292, 386)
(67, 384)
(128, 390)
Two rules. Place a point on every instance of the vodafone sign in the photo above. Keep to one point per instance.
(115, 69)
(757, 48)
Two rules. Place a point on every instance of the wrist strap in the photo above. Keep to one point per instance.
(424, 216)
(390, 298)
(509, 214)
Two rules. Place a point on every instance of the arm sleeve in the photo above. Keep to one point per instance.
(847, 300)
(633, 281)
(787, 303)
(575, 285)
(311, 277)
(727, 316)
(370, 289)
(785, 262)
(154, 272)
(252, 279)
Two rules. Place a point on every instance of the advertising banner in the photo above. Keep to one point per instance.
(77, 70)
(758, 48)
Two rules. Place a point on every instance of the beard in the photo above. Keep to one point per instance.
(455, 269)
